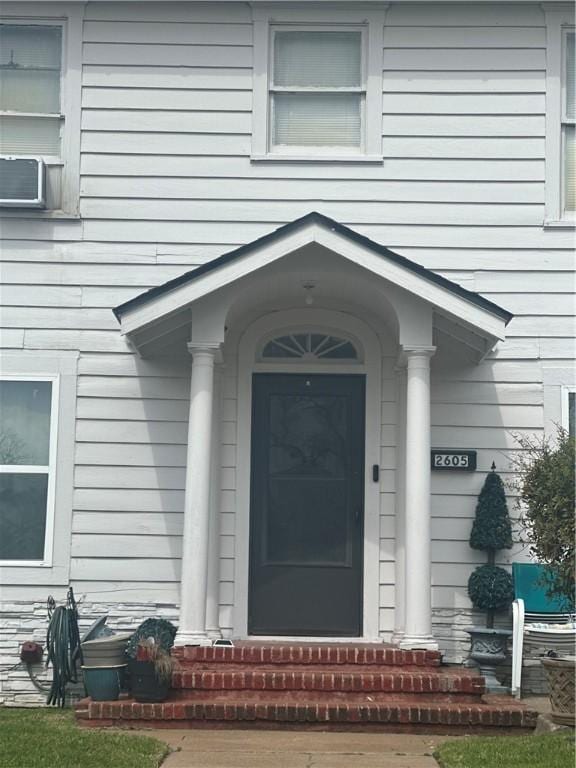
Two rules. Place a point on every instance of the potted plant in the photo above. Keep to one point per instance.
(490, 587)
(150, 663)
(545, 482)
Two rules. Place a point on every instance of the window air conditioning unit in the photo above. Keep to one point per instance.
(22, 182)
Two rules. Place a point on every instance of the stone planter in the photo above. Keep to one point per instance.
(560, 675)
(488, 648)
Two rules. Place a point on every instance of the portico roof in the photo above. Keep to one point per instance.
(481, 315)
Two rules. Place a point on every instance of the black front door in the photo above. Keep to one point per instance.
(307, 505)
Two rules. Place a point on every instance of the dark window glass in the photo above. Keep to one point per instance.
(22, 515)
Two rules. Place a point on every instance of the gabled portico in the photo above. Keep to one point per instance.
(387, 309)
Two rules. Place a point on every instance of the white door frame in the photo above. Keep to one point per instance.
(371, 366)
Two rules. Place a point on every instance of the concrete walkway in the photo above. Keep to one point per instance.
(293, 749)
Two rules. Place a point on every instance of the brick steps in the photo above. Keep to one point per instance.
(393, 712)
(346, 697)
(347, 679)
(308, 653)
(338, 686)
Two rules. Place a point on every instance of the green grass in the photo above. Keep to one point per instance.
(46, 738)
(548, 751)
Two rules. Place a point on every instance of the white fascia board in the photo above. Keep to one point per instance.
(483, 320)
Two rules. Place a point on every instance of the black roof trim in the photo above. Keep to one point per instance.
(316, 218)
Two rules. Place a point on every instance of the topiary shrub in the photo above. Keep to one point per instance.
(545, 482)
(490, 587)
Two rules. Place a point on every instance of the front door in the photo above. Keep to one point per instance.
(307, 505)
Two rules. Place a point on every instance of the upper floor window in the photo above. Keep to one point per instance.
(560, 116)
(30, 72)
(317, 90)
(569, 123)
(318, 86)
(40, 80)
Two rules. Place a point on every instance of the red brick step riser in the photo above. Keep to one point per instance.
(127, 714)
(328, 681)
(287, 654)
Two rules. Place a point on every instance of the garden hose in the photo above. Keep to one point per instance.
(62, 647)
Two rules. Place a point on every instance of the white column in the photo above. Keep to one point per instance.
(194, 580)
(399, 508)
(213, 588)
(418, 610)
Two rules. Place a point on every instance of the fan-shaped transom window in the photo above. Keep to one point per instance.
(309, 346)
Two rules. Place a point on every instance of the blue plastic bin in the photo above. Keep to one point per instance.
(104, 683)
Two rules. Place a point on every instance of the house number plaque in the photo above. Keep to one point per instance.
(454, 460)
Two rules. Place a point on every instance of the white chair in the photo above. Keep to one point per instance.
(536, 619)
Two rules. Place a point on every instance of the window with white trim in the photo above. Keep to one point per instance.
(30, 74)
(560, 116)
(568, 124)
(569, 410)
(28, 429)
(40, 82)
(318, 86)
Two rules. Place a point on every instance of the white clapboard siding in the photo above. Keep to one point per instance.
(182, 33)
(145, 569)
(57, 317)
(168, 143)
(275, 211)
(166, 99)
(465, 15)
(96, 274)
(151, 594)
(127, 545)
(95, 430)
(183, 55)
(483, 415)
(130, 365)
(167, 11)
(436, 106)
(477, 82)
(461, 125)
(132, 409)
(451, 393)
(145, 386)
(445, 60)
(452, 37)
(291, 189)
(164, 121)
(542, 326)
(43, 296)
(89, 341)
(162, 77)
(134, 523)
(394, 236)
(169, 167)
(117, 499)
(161, 478)
(498, 439)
